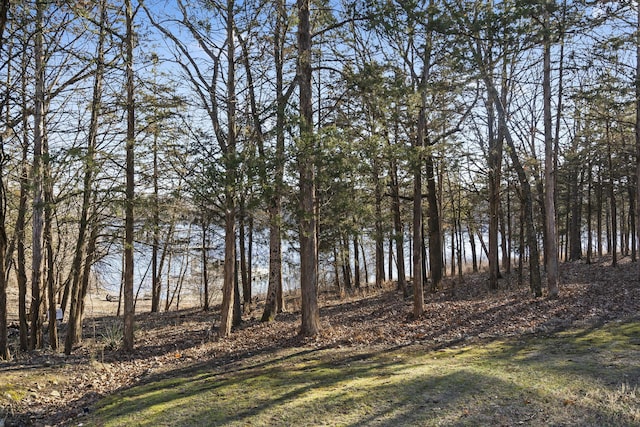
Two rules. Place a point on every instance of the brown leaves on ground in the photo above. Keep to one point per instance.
(463, 311)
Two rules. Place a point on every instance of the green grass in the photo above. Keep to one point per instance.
(16, 386)
(580, 377)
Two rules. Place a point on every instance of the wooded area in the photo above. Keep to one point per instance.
(395, 141)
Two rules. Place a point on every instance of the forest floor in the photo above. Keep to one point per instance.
(476, 357)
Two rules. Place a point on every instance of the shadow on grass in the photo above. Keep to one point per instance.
(587, 377)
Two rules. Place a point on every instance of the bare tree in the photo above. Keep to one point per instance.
(4, 349)
(637, 124)
(129, 303)
(74, 329)
(205, 82)
(37, 179)
(550, 164)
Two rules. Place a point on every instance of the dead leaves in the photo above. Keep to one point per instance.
(169, 341)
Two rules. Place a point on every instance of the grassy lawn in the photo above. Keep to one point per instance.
(579, 377)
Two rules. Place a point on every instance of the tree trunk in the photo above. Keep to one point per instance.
(599, 212)
(48, 244)
(398, 229)
(549, 169)
(156, 284)
(460, 251)
(364, 264)
(306, 169)
(504, 233)
(205, 263)
(379, 233)
(589, 214)
(273, 303)
(632, 218)
(4, 348)
(336, 269)
(509, 221)
(21, 269)
(521, 248)
(275, 260)
(74, 324)
(245, 265)
(4, 13)
(88, 264)
(474, 250)
(38, 201)
(237, 308)
(436, 264)
(575, 223)
(637, 125)
(356, 262)
(345, 262)
(453, 247)
(527, 201)
(390, 261)
(249, 295)
(230, 182)
(129, 307)
(494, 173)
(418, 227)
(624, 237)
(613, 235)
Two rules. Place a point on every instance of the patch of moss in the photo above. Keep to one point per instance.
(10, 392)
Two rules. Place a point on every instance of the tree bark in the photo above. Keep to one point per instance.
(474, 250)
(550, 168)
(205, 262)
(21, 267)
(356, 262)
(418, 284)
(74, 324)
(129, 303)
(632, 218)
(237, 308)
(88, 264)
(156, 284)
(496, 143)
(274, 301)
(637, 125)
(527, 201)
(4, 14)
(48, 244)
(4, 349)
(436, 263)
(398, 228)
(575, 223)
(245, 264)
(379, 234)
(589, 213)
(306, 169)
(38, 200)
(613, 223)
(599, 212)
(229, 155)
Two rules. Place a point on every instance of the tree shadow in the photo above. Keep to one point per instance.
(376, 388)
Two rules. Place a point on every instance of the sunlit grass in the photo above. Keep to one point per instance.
(579, 377)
